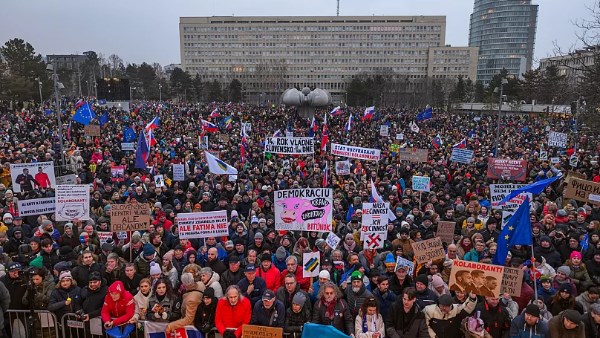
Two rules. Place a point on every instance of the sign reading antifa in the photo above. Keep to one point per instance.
(304, 209)
(129, 217)
(290, 145)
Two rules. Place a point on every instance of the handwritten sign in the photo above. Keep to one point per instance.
(421, 183)
(129, 217)
(178, 172)
(384, 130)
(429, 249)
(582, 190)
(400, 136)
(255, 331)
(91, 130)
(413, 155)
(556, 139)
(512, 280)
(332, 240)
(445, 231)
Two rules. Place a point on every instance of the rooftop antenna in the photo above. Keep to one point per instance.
(338, 7)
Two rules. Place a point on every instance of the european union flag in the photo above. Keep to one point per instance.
(103, 119)
(516, 232)
(425, 114)
(350, 213)
(534, 188)
(128, 135)
(102, 101)
(48, 112)
(84, 114)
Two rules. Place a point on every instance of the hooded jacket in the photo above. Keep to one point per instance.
(59, 296)
(447, 325)
(520, 329)
(557, 329)
(233, 316)
(121, 311)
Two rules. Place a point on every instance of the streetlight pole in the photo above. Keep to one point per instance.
(159, 92)
(131, 89)
(40, 88)
(58, 114)
(504, 81)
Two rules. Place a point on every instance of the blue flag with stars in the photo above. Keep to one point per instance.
(516, 232)
(84, 114)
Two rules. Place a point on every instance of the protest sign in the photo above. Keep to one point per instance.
(499, 191)
(506, 169)
(556, 139)
(421, 183)
(304, 209)
(28, 176)
(374, 240)
(246, 126)
(255, 331)
(429, 249)
(374, 220)
(342, 168)
(127, 146)
(400, 136)
(104, 236)
(178, 172)
(332, 240)
(203, 142)
(368, 154)
(92, 130)
(72, 202)
(36, 206)
(289, 134)
(223, 138)
(403, 263)
(159, 181)
(582, 190)
(554, 160)
(289, 145)
(461, 155)
(384, 130)
(479, 278)
(574, 161)
(117, 173)
(67, 179)
(202, 224)
(512, 280)
(445, 231)
(129, 217)
(413, 155)
(543, 155)
(311, 264)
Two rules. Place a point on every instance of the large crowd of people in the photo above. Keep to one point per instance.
(255, 275)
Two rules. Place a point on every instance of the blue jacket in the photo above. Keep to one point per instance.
(385, 301)
(473, 256)
(259, 288)
(520, 329)
(274, 317)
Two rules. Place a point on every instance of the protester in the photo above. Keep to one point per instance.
(529, 324)
(233, 312)
(368, 322)
(406, 318)
(296, 316)
(332, 309)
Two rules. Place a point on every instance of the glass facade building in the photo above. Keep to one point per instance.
(504, 31)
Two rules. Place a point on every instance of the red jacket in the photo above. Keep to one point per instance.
(304, 282)
(272, 277)
(121, 311)
(233, 317)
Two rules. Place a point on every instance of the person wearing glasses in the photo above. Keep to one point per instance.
(332, 309)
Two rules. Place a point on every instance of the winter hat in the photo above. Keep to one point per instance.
(565, 287)
(423, 279)
(564, 269)
(356, 275)
(389, 260)
(65, 274)
(265, 257)
(148, 250)
(38, 262)
(562, 213)
(575, 254)
(258, 235)
(299, 299)
(437, 281)
(7, 216)
(595, 308)
(209, 292)
(445, 300)
(62, 266)
(324, 274)
(533, 310)
(154, 268)
(545, 279)
(319, 242)
(572, 316)
(545, 239)
(280, 253)
(69, 225)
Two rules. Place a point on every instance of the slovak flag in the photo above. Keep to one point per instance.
(337, 111)
(151, 139)
(325, 175)
(324, 135)
(461, 145)
(368, 113)
(209, 127)
(348, 125)
(79, 103)
(243, 145)
(153, 124)
(437, 142)
(215, 113)
(312, 128)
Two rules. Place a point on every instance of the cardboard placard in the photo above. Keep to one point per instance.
(445, 231)
(429, 249)
(413, 154)
(479, 278)
(223, 138)
(582, 190)
(507, 169)
(255, 331)
(129, 217)
(512, 281)
(91, 130)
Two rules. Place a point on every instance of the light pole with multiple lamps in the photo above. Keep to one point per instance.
(40, 88)
(57, 87)
(504, 81)
(159, 92)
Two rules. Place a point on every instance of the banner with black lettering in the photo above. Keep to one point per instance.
(374, 219)
(368, 154)
(36, 206)
(290, 145)
(202, 224)
(304, 209)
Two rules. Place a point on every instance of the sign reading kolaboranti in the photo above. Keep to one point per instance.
(368, 154)
(129, 217)
(479, 278)
(72, 202)
(304, 209)
(202, 224)
(290, 145)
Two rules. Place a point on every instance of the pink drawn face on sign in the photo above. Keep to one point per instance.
(293, 209)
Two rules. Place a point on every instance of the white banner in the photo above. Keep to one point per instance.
(72, 202)
(37, 206)
(127, 146)
(556, 139)
(421, 183)
(202, 224)
(461, 155)
(374, 219)
(66, 179)
(178, 172)
(28, 176)
(290, 145)
(342, 167)
(400, 136)
(304, 209)
(384, 130)
(499, 191)
(332, 240)
(355, 152)
(104, 236)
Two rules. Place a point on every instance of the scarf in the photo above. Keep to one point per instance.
(369, 256)
(350, 247)
(329, 308)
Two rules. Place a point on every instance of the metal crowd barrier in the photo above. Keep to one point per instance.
(18, 321)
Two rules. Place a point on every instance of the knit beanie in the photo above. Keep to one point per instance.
(280, 253)
(423, 279)
(564, 269)
(154, 268)
(299, 299)
(148, 250)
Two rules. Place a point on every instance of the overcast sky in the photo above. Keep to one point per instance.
(148, 30)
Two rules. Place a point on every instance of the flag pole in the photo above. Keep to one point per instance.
(535, 294)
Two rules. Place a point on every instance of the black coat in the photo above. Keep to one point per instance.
(399, 324)
(205, 315)
(592, 330)
(92, 301)
(342, 319)
(497, 321)
(295, 321)
(81, 273)
(59, 297)
(273, 317)
(17, 289)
